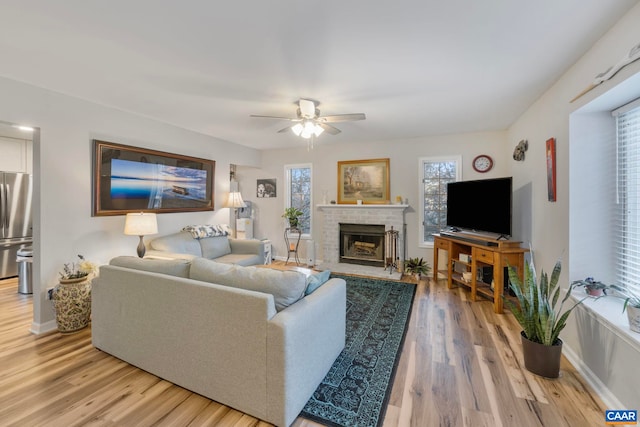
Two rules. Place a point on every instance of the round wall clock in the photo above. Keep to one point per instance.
(482, 163)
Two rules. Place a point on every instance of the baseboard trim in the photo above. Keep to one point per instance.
(43, 328)
(608, 398)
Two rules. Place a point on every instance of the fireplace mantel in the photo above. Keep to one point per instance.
(351, 206)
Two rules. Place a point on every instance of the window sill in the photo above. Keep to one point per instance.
(608, 310)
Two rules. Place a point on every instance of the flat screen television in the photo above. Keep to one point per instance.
(482, 205)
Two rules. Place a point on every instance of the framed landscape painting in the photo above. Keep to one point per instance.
(366, 180)
(131, 179)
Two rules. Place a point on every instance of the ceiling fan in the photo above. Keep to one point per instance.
(310, 123)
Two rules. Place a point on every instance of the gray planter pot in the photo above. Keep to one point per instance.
(633, 314)
(543, 360)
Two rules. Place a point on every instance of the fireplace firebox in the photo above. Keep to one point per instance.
(362, 244)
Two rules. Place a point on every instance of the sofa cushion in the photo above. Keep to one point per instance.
(215, 247)
(241, 259)
(315, 280)
(173, 267)
(180, 243)
(287, 287)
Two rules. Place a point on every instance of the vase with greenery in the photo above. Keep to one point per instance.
(541, 317)
(71, 298)
(592, 286)
(293, 215)
(416, 266)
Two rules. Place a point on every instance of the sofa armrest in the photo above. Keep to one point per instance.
(303, 342)
(239, 246)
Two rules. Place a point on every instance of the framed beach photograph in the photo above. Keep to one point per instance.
(131, 179)
(366, 180)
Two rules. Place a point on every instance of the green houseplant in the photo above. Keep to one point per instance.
(592, 286)
(416, 266)
(293, 215)
(541, 317)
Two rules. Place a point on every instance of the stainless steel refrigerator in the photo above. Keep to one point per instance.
(15, 219)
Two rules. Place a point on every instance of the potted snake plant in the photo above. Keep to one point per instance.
(541, 317)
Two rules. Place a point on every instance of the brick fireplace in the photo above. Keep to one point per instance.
(333, 215)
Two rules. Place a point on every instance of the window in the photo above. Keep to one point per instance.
(298, 194)
(435, 174)
(627, 239)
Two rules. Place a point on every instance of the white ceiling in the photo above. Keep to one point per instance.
(414, 67)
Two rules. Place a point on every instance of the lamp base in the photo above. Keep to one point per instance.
(141, 249)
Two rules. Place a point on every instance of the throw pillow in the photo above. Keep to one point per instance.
(315, 280)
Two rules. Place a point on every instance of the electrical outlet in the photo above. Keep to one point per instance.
(49, 294)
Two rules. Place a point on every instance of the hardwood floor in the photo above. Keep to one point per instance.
(460, 366)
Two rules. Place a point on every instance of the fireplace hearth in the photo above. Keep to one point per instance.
(362, 244)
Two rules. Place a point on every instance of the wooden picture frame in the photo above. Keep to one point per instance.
(366, 180)
(131, 179)
(551, 168)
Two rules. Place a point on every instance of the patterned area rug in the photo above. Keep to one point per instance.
(356, 390)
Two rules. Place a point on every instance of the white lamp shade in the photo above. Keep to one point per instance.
(140, 224)
(235, 200)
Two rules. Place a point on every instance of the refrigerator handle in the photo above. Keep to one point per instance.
(2, 209)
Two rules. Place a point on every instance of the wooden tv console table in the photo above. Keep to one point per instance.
(478, 252)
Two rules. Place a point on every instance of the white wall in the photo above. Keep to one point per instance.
(63, 225)
(604, 355)
(403, 155)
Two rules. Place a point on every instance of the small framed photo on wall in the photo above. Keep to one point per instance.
(266, 188)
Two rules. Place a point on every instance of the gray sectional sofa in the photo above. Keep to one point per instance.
(247, 337)
(183, 245)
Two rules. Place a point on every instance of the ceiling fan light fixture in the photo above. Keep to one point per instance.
(297, 129)
(309, 129)
(318, 131)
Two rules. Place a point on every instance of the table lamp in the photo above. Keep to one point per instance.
(235, 201)
(140, 224)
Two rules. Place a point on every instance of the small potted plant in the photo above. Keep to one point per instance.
(591, 286)
(416, 266)
(293, 215)
(631, 305)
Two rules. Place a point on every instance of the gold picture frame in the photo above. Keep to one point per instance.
(366, 180)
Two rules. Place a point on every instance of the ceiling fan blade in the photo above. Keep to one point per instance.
(329, 129)
(288, 128)
(275, 117)
(307, 108)
(342, 118)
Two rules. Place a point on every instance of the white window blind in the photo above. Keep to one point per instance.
(627, 239)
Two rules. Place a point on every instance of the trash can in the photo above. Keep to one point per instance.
(25, 268)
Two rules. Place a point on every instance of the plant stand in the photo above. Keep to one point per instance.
(71, 300)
